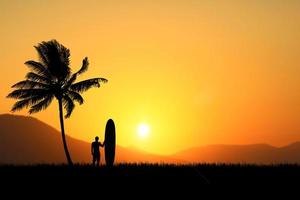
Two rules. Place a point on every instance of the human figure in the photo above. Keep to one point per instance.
(95, 148)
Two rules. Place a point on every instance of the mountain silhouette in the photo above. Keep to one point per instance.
(255, 153)
(27, 140)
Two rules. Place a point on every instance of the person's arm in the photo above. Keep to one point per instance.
(92, 149)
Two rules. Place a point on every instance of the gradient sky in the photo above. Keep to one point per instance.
(198, 72)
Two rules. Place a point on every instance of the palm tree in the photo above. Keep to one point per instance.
(51, 78)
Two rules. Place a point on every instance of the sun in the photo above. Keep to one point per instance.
(143, 130)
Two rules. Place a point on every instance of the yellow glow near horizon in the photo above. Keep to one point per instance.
(143, 130)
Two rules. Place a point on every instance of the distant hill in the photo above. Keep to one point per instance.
(26, 140)
(257, 153)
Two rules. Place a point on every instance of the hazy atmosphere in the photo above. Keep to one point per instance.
(181, 73)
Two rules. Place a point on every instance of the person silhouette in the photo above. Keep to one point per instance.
(95, 148)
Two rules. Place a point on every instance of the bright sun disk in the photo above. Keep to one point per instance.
(143, 130)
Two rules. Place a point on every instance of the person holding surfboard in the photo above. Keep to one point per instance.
(109, 145)
(95, 148)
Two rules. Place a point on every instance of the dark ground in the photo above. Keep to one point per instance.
(160, 173)
(150, 180)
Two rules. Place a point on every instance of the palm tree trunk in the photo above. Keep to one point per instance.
(61, 117)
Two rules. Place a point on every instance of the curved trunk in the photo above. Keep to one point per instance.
(61, 117)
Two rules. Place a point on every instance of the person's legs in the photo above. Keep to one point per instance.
(97, 160)
(94, 160)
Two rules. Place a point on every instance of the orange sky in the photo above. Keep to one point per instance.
(198, 72)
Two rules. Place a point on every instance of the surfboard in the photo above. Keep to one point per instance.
(110, 142)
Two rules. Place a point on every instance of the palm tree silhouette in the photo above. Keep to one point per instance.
(51, 78)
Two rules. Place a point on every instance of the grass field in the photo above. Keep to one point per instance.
(160, 173)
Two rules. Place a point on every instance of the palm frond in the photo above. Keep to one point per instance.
(35, 77)
(84, 67)
(42, 55)
(25, 103)
(42, 105)
(57, 58)
(68, 105)
(87, 84)
(38, 68)
(70, 81)
(27, 93)
(75, 96)
(27, 84)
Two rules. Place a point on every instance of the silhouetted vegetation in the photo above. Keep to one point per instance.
(160, 173)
